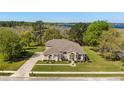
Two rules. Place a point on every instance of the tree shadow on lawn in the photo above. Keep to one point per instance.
(23, 56)
(30, 48)
(96, 50)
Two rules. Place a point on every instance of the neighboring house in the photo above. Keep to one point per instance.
(62, 49)
(120, 54)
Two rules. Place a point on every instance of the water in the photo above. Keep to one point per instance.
(120, 27)
(69, 25)
(66, 25)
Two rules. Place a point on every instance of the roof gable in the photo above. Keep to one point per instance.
(64, 45)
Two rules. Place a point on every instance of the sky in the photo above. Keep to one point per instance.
(117, 17)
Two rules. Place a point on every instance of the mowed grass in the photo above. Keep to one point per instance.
(77, 75)
(36, 49)
(98, 64)
(101, 63)
(10, 65)
(5, 74)
(15, 65)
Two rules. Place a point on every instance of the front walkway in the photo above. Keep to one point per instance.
(25, 69)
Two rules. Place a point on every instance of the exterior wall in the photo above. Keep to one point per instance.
(45, 57)
(68, 56)
(48, 47)
(57, 58)
(75, 56)
(53, 57)
(82, 58)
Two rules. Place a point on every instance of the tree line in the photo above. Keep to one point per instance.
(98, 34)
(13, 43)
(15, 23)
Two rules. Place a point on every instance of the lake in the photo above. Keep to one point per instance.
(69, 25)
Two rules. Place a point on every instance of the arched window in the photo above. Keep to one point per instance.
(50, 57)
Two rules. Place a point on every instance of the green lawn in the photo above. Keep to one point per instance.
(98, 64)
(5, 74)
(15, 65)
(36, 49)
(77, 75)
(10, 65)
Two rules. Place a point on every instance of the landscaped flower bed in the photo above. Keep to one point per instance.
(52, 62)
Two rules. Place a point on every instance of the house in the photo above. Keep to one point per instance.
(120, 55)
(63, 49)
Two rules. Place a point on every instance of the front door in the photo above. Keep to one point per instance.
(72, 56)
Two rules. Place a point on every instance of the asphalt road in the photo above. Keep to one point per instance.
(60, 79)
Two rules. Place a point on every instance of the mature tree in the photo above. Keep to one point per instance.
(76, 33)
(38, 31)
(51, 33)
(14, 23)
(110, 43)
(63, 31)
(10, 44)
(94, 31)
(26, 37)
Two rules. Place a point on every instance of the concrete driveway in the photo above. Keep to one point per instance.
(25, 69)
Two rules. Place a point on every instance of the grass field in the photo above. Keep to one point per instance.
(5, 74)
(15, 65)
(77, 75)
(36, 49)
(98, 64)
(10, 65)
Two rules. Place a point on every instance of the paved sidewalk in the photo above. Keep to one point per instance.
(7, 71)
(60, 79)
(25, 69)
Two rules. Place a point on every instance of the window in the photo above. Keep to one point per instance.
(50, 57)
(79, 56)
(72, 56)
